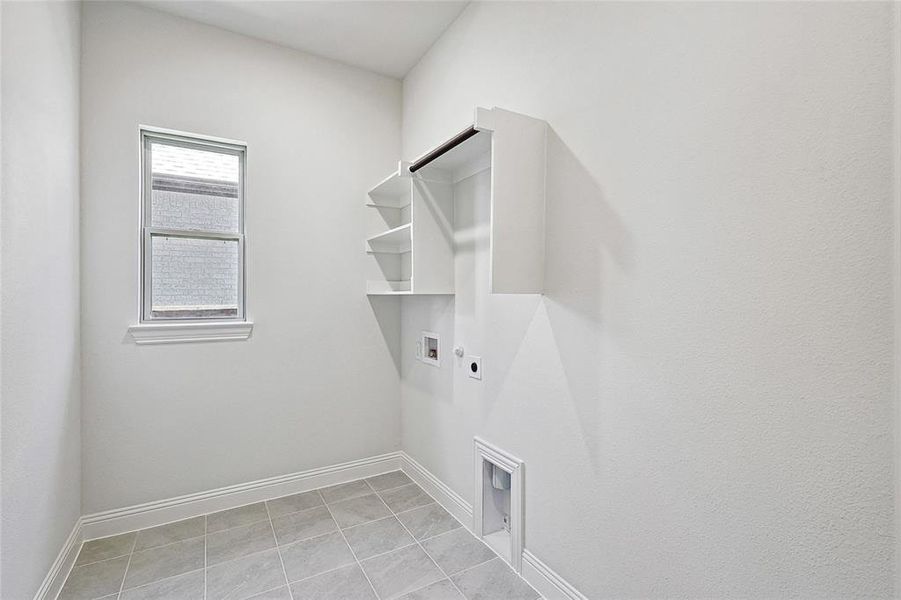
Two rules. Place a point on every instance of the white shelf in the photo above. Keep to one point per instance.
(395, 250)
(388, 288)
(383, 205)
(396, 236)
(394, 185)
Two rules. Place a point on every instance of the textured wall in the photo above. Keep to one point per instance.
(703, 396)
(317, 383)
(39, 331)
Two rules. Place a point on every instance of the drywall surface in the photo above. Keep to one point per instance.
(317, 383)
(897, 280)
(703, 395)
(39, 331)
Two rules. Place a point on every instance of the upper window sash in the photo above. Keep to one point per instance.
(149, 136)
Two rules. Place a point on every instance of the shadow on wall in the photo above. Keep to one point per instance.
(585, 238)
(387, 313)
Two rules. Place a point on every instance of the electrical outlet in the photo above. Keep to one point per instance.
(474, 367)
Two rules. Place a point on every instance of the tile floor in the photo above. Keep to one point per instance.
(372, 539)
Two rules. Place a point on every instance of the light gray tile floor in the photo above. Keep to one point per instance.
(381, 538)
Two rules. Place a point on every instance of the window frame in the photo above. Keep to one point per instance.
(148, 135)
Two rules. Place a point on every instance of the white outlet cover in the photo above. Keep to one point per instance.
(474, 367)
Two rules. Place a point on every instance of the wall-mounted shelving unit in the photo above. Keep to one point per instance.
(414, 250)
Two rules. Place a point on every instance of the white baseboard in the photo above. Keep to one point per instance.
(151, 514)
(437, 489)
(60, 568)
(540, 576)
(550, 585)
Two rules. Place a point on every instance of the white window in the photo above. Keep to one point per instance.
(192, 244)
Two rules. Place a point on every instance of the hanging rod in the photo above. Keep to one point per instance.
(444, 148)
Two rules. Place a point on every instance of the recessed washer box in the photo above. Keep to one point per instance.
(431, 348)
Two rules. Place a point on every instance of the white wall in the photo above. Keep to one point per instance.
(897, 278)
(703, 397)
(39, 333)
(317, 383)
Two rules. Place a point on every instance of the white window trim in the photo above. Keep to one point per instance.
(172, 333)
(167, 331)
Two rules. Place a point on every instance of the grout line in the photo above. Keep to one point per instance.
(237, 526)
(354, 554)
(278, 552)
(345, 500)
(296, 494)
(278, 587)
(134, 545)
(225, 562)
(413, 543)
(455, 529)
(308, 577)
(390, 488)
(397, 512)
(349, 498)
(94, 562)
(277, 546)
(106, 537)
(421, 547)
(368, 522)
(167, 544)
(495, 557)
(324, 501)
(156, 581)
(401, 486)
(287, 514)
(304, 540)
(419, 589)
(400, 512)
(127, 566)
(376, 494)
(364, 480)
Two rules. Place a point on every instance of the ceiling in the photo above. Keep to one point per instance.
(381, 36)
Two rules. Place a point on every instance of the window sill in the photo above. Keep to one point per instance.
(176, 333)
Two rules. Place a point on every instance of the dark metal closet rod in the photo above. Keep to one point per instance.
(443, 148)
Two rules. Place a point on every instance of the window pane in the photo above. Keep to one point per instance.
(193, 189)
(193, 277)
